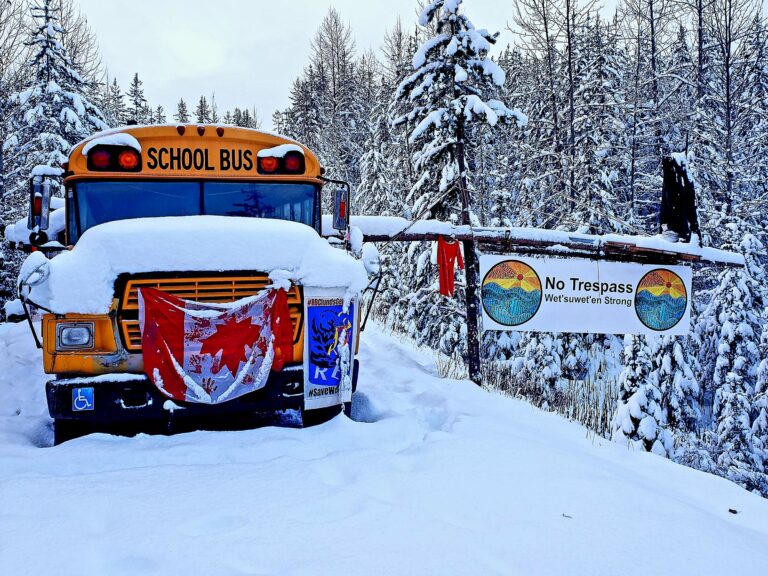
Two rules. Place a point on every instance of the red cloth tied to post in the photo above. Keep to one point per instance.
(213, 353)
(448, 253)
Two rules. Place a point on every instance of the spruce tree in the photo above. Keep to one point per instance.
(160, 115)
(449, 94)
(376, 194)
(671, 370)
(737, 306)
(760, 402)
(246, 120)
(147, 114)
(640, 419)
(117, 112)
(278, 122)
(203, 111)
(182, 115)
(136, 101)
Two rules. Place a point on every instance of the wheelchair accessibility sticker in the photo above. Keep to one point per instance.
(82, 399)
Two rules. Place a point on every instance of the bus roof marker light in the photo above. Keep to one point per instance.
(268, 164)
(294, 163)
(181, 129)
(100, 159)
(128, 160)
(201, 130)
(220, 131)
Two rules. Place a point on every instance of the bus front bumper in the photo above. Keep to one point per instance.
(123, 399)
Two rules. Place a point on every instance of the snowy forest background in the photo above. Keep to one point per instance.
(564, 129)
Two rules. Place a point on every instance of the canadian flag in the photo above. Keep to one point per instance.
(213, 353)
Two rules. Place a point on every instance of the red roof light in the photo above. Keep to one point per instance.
(293, 163)
(128, 160)
(268, 164)
(101, 159)
(108, 158)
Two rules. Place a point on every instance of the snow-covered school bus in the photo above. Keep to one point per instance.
(193, 282)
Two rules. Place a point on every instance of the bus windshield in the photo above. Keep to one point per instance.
(106, 201)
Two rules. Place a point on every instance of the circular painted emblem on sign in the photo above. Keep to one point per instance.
(511, 293)
(661, 300)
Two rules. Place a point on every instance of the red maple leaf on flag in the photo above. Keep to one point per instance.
(231, 339)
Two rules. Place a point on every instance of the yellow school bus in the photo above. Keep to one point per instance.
(172, 171)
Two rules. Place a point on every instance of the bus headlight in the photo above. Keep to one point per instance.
(74, 336)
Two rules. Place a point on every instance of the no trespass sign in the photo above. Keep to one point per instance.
(584, 296)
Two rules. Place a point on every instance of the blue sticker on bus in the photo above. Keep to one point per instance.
(330, 329)
(82, 399)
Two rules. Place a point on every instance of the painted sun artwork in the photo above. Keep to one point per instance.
(661, 300)
(511, 293)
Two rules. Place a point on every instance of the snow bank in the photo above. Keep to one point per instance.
(82, 280)
(116, 139)
(434, 477)
(23, 410)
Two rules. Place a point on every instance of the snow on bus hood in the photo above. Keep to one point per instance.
(82, 280)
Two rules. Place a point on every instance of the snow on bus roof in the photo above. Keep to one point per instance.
(116, 139)
(175, 125)
(280, 151)
(82, 280)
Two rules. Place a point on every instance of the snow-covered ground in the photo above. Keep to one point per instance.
(434, 477)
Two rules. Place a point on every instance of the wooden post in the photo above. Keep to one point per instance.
(473, 317)
(471, 263)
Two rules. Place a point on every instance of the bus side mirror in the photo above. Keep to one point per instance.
(39, 204)
(341, 209)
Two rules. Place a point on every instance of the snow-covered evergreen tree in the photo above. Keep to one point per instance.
(671, 371)
(760, 400)
(182, 114)
(117, 112)
(640, 417)
(203, 111)
(449, 93)
(50, 115)
(12, 70)
(376, 194)
(737, 306)
(136, 101)
(541, 367)
(159, 116)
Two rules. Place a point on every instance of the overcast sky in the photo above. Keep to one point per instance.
(248, 51)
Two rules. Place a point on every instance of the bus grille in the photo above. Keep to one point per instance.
(217, 289)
